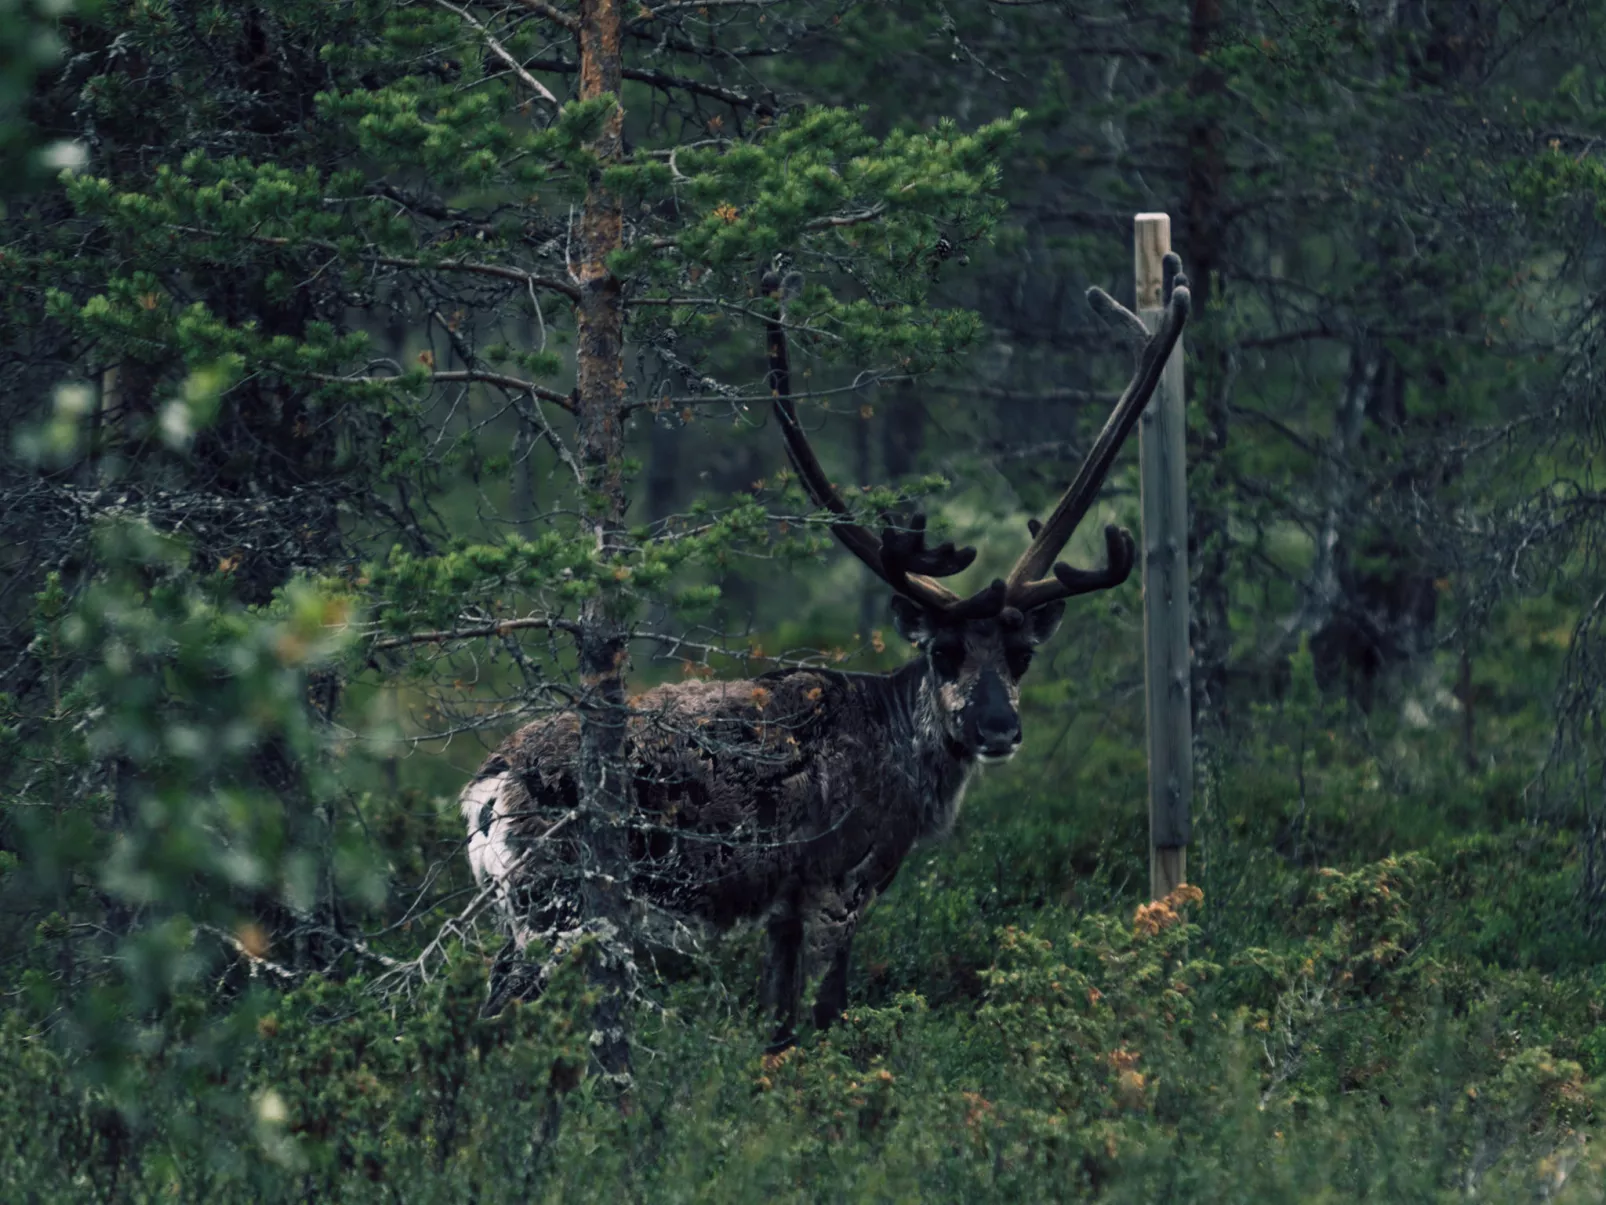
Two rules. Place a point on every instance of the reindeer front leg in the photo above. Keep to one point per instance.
(833, 922)
(783, 971)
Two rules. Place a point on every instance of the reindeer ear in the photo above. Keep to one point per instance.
(911, 619)
(1042, 622)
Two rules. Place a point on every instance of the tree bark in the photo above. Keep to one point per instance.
(604, 637)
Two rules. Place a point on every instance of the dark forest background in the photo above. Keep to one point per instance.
(300, 483)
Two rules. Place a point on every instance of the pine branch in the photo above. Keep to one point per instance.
(667, 82)
(499, 271)
(500, 628)
(554, 14)
(473, 376)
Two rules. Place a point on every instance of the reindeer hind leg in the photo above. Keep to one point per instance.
(831, 1001)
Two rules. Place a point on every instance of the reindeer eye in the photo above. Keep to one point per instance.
(945, 659)
(1018, 660)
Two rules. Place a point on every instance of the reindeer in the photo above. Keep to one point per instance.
(792, 798)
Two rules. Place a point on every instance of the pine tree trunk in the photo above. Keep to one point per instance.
(604, 637)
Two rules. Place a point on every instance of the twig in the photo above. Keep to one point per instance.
(847, 219)
(501, 52)
(255, 961)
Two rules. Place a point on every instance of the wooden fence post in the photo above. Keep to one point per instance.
(1163, 473)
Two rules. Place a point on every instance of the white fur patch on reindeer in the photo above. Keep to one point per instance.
(489, 854)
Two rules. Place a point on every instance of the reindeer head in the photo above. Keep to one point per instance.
(973, 671)
(977, 649)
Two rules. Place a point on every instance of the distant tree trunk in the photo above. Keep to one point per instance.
(603, 638)
(663, 470)
(903, 439)
(864, 469)
(903, 433)
(521, 489)
(1204, 253)
(104, 424)
(396, 329)
(1389, 603)
(734, 471)
(1383, 605)
(1322, 606)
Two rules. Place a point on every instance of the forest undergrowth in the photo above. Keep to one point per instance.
(1384, 987)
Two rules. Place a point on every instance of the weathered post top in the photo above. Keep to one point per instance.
(1151, 240)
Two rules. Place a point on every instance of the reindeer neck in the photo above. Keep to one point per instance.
(921, 770)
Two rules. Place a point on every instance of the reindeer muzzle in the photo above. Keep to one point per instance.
(990, 722)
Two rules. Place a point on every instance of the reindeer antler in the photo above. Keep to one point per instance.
(1027, 587)
(900, 556)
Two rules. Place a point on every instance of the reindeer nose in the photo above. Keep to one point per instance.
(998, 734)
(992, 718)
